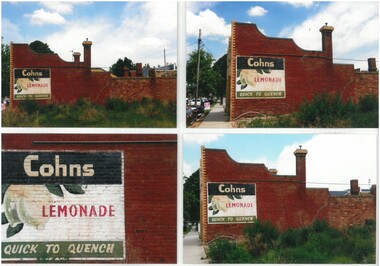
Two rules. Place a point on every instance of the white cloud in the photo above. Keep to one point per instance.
(356, 32)
(142, 36)
(41, 16)
(208, 21)
(201, 139)
(334, 159)
(189, 169)
(257, 11)
(59, 7)
(300, 3)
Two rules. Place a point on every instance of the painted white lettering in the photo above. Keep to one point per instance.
(28, 165)
(31, 73)
(57, 168)
(231, 189)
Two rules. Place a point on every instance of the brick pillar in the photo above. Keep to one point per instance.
(76, 56)
(373, 190)
(354, 187)
(301, 163)
(139, 69)
(327, 45)
(87, 52)
(126, 72)
(372, 65)
(203, 198)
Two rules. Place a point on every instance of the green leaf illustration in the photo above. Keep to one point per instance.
(259, 71)
(238, 82)
(11, 231)
(3, 190)
(231, 197)
(243, 86)
(266, 71)
(238, 196)
(215, 212)
(210, 208)
(209, 199)
(238, 72)
(74, 189)
(55, 189)
(4, 219)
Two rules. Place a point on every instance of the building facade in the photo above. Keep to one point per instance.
(233, 194)
(48, 78)
(274, 76)
(89, 198)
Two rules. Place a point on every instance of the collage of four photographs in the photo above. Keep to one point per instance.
(189, 132)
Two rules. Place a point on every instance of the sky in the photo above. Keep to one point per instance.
(142, 31)
(332, 159)
(136, 30)
(355, 35)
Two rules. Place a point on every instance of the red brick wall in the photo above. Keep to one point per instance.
(71, 81)
(134, 89)
(306, 73)
(150, 186)
(283, 200)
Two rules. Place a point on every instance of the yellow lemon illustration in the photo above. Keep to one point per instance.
(247, 76)
(23, 204)
(220, 203)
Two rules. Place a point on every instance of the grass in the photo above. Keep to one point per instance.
(317, 243)
(115, 113)
(325, 111)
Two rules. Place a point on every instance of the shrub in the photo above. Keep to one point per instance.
(303, 255)
(324, 110)
(29, 106)
(260, 237)
(368, 103)
(227, 251)
(116, 104)
(294, 237)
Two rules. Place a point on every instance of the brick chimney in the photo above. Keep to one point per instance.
(126, 72)
(139, 69)
(372, 65)
(301, 163)
(327, 46)
(76, 56)
(273, 171)
(373, 190)
(354, 187)
(87, 52)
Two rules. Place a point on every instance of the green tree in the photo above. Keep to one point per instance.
(5, 70)
(207, 76)
(118, 68)
(191, 198)
(220, 67)
(40, 47)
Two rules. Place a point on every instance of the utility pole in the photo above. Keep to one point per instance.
(165, 61)
(199, 61)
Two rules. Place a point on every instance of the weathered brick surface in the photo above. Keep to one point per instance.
(283, 200)
(73, 80)
(306, 73)
(150, 186)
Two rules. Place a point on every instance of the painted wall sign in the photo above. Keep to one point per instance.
(260, 77)
(231, 203)
(32, 83)
(66, 205)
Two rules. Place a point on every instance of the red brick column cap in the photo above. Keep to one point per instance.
(326, 28)
(87, 42)
(300, 152)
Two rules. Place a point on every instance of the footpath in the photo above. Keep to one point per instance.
(193, 252)
(216, 118)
